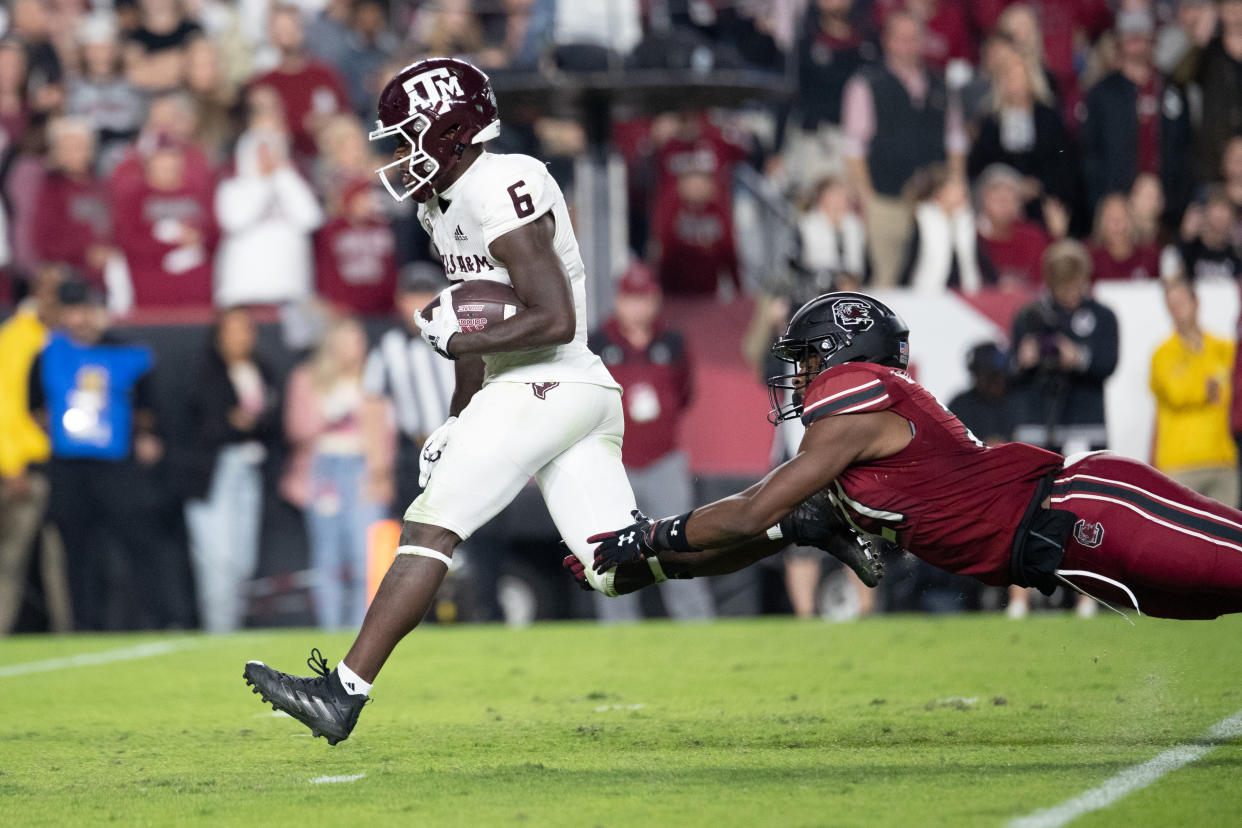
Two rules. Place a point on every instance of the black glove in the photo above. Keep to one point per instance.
(642, 539)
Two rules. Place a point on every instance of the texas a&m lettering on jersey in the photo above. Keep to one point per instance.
(455, 264)
(946, 497)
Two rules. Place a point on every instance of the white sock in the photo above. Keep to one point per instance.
(350, 681)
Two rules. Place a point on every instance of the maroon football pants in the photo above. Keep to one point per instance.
(1178, 552)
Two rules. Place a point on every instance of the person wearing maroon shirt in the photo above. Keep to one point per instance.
(71, 223)
(946, 29)
(311, 91)
(1013, 246)
(882, 451)
(165, 228)
(170, 114)
(1136, 122)
(652, 365)
(355, 254)
(1115, 253)
(688, 142)
(693, 244)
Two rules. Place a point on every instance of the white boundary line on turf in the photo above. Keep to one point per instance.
(148, 650)
(1132, 779)
(328, 780)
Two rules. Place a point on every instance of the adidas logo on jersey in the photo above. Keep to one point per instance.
(457, 234)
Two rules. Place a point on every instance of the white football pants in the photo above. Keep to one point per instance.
(569, 440)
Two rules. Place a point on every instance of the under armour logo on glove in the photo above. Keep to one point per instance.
(624, 545)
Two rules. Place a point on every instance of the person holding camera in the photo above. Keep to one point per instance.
(1065, 347)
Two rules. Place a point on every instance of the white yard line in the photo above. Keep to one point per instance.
(1132, 779)
(148, 650)
(328, 780)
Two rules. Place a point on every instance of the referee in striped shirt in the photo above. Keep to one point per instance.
(403, 371)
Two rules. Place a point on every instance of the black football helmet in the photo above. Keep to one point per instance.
(440, 106)
(837, 327)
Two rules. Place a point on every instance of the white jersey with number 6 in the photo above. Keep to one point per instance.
(496, 195)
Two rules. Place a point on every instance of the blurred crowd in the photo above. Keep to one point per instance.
(166, 158)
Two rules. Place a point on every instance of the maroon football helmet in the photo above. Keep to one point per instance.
(441, 106)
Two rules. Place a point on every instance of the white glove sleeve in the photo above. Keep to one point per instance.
(433, 447)
(442, 326)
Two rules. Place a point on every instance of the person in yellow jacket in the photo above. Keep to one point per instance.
(23, 490)
(1190, 376)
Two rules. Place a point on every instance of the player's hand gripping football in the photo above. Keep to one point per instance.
(817, 522)
(433, 447)
(442, 326)
(642, 539)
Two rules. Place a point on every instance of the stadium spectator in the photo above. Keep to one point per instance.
(1025, 132)
(15, 111)
(355, 253)
(651, 363)
(1231, 172)
(1192, 27)
(213, 95)
(369, 47)
(344, 156)
(688, 142)
(23, 448)
(829, 51)
(1147, 210)
(986, 407)
(946, 30)
(1116, 253)
(1019, 24)
(327, 32)
(267, 213)
(310, 91)
(1013, 245)
(231, 411)
(944, 250)
(1135, 122)
(978, 94)
(897, 118)
(1207, 249)
(1190, 378)
(100, 92)
(163, 224)
(327, 473)
(403, 371)
(71, 223)
(171, 115)
(155, 51)
(93, 393)
(1216, 70)
(1068, 27)
(832, 235)
(1065, 348)
(694, 248)
(31, 24)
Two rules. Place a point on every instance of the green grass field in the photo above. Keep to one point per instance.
(891, 721)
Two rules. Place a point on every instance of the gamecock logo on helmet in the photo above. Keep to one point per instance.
(433, 88)
(1089, 534)
(850, 313)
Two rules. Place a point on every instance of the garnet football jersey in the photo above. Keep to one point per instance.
(945, 497)
(498, 194)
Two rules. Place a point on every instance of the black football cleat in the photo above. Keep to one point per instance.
(320, 702)
(862, 553)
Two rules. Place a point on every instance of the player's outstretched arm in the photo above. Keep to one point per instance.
(541, 283)
(829, 447)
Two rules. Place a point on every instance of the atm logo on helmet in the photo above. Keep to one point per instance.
(433, 88)
(851, 313)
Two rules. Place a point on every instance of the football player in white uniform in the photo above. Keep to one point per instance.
(531, 400)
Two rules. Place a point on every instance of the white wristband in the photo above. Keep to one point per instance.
(424, 552)
(657, 571)
(775, 533)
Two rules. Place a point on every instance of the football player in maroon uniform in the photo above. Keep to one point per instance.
(881, 451)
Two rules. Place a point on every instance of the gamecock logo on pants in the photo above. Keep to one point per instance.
(1089, 534)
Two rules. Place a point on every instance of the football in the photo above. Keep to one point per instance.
(479, 303)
